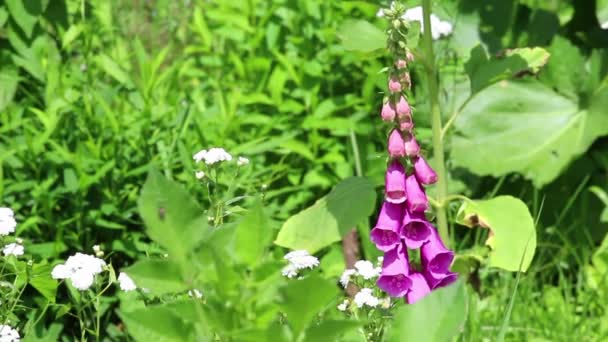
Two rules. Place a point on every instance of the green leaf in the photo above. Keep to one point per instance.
(361, 35)
(114, 70)
(438, 317)
(330, 330)
(157, 323)
(40, 279)
(157, 276)
(330, 218)
(173, 218)
(302, 300)
(525, 127)
(566, 69)
(25, 13)
(9, 79)
(512, 236)
(601, 11)
(484, 71)
(253, 234)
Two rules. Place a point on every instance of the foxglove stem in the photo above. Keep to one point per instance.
(442, 185)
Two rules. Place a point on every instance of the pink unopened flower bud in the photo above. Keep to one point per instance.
(423, 171)
(411, 146)
(386, 232)
(406, 80)
(406, 123)
(402, 108)
(388, 112)
(395, 183)
(396, 145)
(401, 64)
(418, 289)
(394, 85)
(416, 198)
(409, 56)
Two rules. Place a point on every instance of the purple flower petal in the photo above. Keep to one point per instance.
(419, 288)
(395, 183)
(386, 232)
(396, 145)
(416, 229)
(402, 107)
(388, 112)
(411, 145)
(435, 258)
(394, 278)
(423, 171)
(436, 281)
(416, 198)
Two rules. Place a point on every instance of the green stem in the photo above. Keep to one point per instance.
(442, 185)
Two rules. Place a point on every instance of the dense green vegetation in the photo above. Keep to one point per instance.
(98, 98)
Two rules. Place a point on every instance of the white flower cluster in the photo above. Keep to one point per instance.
(7, 221)
(8, 334)
(439, 28)
(298, 260)
(212, 156)
(242, 161)
(366, 297)
(13, 249)
(125, 282)
(363, 268)
(80, 269)
(343, 306)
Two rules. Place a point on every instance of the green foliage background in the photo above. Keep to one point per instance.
(95, 93)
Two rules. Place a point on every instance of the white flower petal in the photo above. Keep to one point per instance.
(13, 249)
(126, 283)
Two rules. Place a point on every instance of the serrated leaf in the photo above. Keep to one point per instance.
(361, 35)
(332, 216)
(512, 236)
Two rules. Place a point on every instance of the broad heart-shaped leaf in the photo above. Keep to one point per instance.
(512, 238)
(302, 300)
(525, 127)
(361, 35)
(331, 217)
(158, 276)
(173, 218)
(484, 71)
(436, 318)
(157, 323)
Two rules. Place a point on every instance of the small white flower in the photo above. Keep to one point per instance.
(439, 28)
(7, 221)
(61, 271)
(380, 260)
(199, 174)
(125, 282)
(13, 249)
(98, 252)
(242, 161)
(8, 334)
(80, 269)
(82, 279)
(195, 294)
(366, 269)
(345, 277)
(366, 297)
(289, 271)
(301, 259)
(343, 306)
(212, 156)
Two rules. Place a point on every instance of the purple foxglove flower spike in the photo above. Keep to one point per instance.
(402, 108)
(416, 198)
(396, 145)
(436, 259)
(439, 280)
(419, 288)
(411, 145)
(386, 232)
(395, 183)
(416, 230)
(394, 85)
(388, 112)
(423, 171)
(394, 278)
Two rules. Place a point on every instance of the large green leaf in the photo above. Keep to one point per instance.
(361, 35)
(484, 71)
(330, 218)
(330, 330)
(436, 318)
(602, 12)
(512, 236)
(525, 127)
(9, 79)
(253, 234)
(157, 323)
(173, 218)
(26, 13)
(302, 300)
(157, 276)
